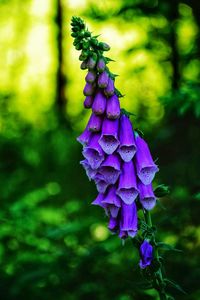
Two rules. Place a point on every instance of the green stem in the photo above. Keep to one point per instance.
(158, 276)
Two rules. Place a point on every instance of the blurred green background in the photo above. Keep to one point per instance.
(53, 244)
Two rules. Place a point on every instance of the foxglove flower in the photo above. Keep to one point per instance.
(113, 224)
(100, 182)
(127, 148)
(90, 77)
(146, 254)
(112, 202)
(91, 63)
(94, 123)
(110, 168)
(127, 188)
(93, 152)
(128, 220)
(146, 195)
(88, 101)
(113, 107)
(89, 171)
(89, 89)
(101, 65)
(145, 166)
(98, 201)
(99, 104)
(110, 88)
(103, 79)
(109, 136)
(84, 137)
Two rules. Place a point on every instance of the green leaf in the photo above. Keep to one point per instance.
(118, 93)
(175, 285)
(127, 113)
(167, 247)
(139, 132)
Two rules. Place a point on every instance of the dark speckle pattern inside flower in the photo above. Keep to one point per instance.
(127, 152)
(110, 174)
(147, 174)
(93, 157)
(108, 143)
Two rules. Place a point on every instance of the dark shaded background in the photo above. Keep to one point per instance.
(53, 244)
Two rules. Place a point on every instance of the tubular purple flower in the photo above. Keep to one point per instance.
(113, 107)
(88, 101)
(110, 168)
(94, 123)
(101, 65)
(90, 77)
(146, 195)
(93, 152)
(103, 79)
(128, 219)
(99, 104)
(110, 89)
(109, 137)
(84, 137)
(127, 188)
(113, 224)
(91, 63)
(146, 254)
(127, 148)
(101, 184)
(89, 89)
(145, 166)
(89, 171)
(112, 201)
(98, 202)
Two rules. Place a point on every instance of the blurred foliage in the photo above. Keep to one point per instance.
(53, 244)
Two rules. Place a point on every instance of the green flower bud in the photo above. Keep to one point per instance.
(104, 46)
(83, 56)
(78, 47)
(161, 190)
(84, 65)
(85, 45)
(74, 34)
(94, 42)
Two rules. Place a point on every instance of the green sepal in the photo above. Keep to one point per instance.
(161, 190)
(167, 247)
(108, 59)
(139, 132)
(118, 93)
(126, 113)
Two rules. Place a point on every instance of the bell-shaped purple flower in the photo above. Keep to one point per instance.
(88, 101)
(94, 123)
(103, 79)
(146, 254)
(93, 152)
(101, 65)
(89, 171)
(145, 166)
(98, 201)
(99, 104)
(84, 137)
(113, 107)
(100, 182)
(146, 195)
(113, 224)
(128, 220)
(110, 168)
(112, 201)
(127, 148)
(109, 137)
(110, 89)
(89, 89)
(90, 77)
(127, 188)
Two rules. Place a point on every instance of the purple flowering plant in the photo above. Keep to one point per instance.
(119, 161)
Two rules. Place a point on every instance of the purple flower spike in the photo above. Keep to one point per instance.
(99, 104)
(101, 184)
(90, 77)
(127, 189)
(127, 148)
(101, 65)
(110, 89)
(113, 224)
(147, 197)
(110, 168)
(88, 101)
(146, 254)
(113, 108)
(89, 89)
(94, 123)
(89, 171)
(112, 202)
(84, 137)
(93, 152)
(103, 80)
(145, 166)
(128, 219)
(109, 137)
